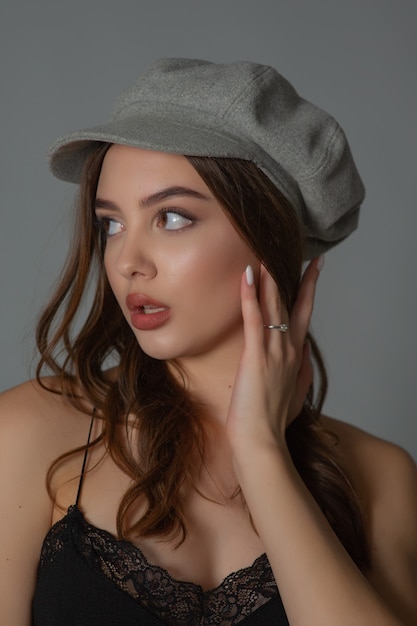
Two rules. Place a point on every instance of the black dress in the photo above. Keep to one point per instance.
(87, 577)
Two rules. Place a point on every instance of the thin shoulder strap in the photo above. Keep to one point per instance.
(80, 484)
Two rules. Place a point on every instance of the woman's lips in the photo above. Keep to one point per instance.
(146, 313)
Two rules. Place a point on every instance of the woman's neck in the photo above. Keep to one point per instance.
(209, 379)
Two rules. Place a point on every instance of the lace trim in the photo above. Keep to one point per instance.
(177, 602)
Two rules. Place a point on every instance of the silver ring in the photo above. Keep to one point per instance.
(281, 327)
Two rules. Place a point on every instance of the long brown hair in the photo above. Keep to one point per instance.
(77, 352)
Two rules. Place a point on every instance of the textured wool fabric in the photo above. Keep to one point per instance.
(240, 109)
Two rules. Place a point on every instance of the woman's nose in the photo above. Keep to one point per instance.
(135, 257)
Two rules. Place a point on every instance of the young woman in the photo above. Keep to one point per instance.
(169, 464)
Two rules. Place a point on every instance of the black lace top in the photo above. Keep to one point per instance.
(88, 578)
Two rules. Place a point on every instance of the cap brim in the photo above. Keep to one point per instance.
(68, 154)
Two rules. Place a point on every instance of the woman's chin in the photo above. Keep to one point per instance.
(161, 351)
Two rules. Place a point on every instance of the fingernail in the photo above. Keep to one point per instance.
(320, 262)
(249, 275)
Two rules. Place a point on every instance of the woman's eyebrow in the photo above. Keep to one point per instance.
(171, 192)
(155, 198)
(100, 203)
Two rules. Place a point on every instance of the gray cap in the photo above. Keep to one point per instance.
(242, 110)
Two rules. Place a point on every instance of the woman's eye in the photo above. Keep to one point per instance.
(170, 220)
(109, 226)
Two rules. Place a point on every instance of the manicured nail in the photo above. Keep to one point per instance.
(249, 275)
(320, 262)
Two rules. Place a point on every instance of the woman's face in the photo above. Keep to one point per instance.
(173, 259)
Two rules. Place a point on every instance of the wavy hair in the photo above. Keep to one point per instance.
(77, 350)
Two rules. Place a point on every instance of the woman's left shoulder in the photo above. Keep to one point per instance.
(381, 470)
(384, 476)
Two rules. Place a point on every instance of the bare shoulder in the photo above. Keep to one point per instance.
(32, 414)
(380, 470)
(36, 426)
(385, 478)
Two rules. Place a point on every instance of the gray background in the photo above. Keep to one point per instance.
(64, 62)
